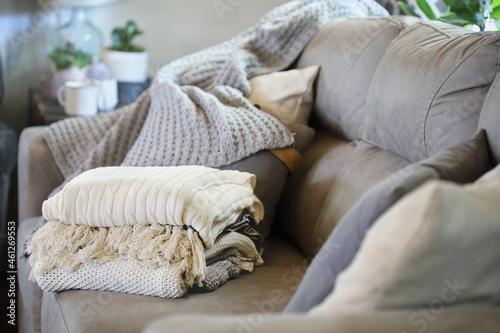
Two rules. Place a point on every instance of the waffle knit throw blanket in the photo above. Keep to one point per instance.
(147, 230)
(196, 111)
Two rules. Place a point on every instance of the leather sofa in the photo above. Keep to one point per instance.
(391, 92)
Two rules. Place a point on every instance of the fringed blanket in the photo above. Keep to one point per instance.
(159, 223)
(232, 252)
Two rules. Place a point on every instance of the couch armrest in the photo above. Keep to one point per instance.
(38, 174)
(428, 321)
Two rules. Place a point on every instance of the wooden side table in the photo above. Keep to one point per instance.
(42, 111)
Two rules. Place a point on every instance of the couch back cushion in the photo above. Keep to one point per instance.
(306, 189)
(366, 166)
(348, 51)
(429, 87)
(331, 178)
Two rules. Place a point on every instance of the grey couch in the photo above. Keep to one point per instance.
(391, 93)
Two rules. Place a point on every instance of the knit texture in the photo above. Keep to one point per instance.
(118, 275)
(141, 273)
(248, 253)
(159, 223)
(220, 269)
(203, 198)
(196, 111)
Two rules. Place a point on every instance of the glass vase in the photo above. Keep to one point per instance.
(80, 33)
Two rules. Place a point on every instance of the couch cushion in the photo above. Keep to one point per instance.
(445, 255)
(348, 51)
(333, 175)
(267, 289)
(367, 165)
(429, 88)
(306, 189)
(460, 163)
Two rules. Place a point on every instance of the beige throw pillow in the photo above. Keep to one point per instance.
(438, 247)
(288, 96)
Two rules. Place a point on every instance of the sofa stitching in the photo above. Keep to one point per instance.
(437, 29)
(438, 88)
(498, 62)
(362, 52)
(486, 104)
(433, 96)
(370, 93)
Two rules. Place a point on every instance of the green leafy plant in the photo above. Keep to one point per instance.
(69, 56)
(460, 12)
(122, 38)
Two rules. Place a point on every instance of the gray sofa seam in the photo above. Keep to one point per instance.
(438, 88)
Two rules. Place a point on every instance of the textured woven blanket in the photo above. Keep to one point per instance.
(196, 111)
(203, 199)
(231, 253)
(158, 223)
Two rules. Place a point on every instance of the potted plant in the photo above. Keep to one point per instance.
(480, 13)
(69, 63)
(127, 62)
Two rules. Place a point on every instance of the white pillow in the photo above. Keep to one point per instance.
(286, 95)
(437, 247)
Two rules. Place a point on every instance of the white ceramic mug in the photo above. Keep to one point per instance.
(108, 94)
(79, 98)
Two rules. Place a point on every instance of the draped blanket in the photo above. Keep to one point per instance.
(195, 112)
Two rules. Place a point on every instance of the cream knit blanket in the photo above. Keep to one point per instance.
(156, 216)
(205, 199)
(196, 111)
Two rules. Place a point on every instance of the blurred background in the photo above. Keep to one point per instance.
(172, 28)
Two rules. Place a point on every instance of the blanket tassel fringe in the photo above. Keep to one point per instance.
(68, 246)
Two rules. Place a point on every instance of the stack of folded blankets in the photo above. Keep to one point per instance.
(154, 231)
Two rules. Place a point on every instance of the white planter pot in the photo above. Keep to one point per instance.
(69, 74)
(127, 66)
